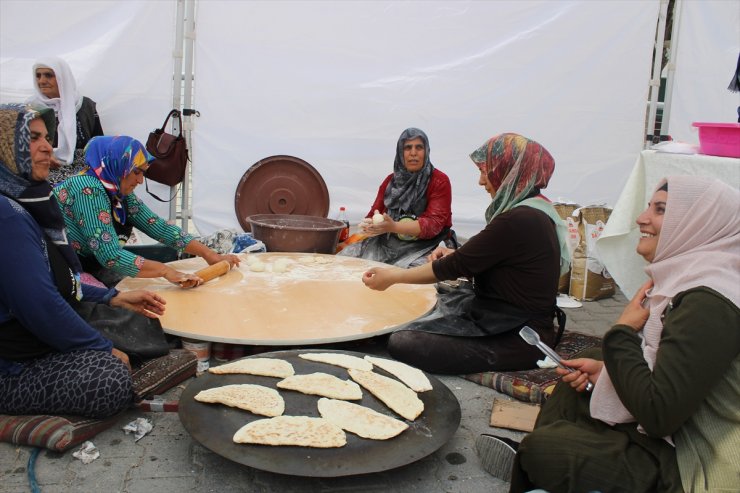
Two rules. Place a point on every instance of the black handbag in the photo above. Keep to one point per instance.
(170, 154)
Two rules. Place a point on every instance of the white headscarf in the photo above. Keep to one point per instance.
(699, 245)
(65, 106)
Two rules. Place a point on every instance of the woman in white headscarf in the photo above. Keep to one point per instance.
(54, 86)
(664, 411)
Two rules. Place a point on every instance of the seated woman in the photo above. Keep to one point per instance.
(101, 209)
(663, 415)
(77, 119)
(515, 263)
(51, 360)
(415, 201)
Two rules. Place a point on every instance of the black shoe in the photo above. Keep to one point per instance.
(496, 455)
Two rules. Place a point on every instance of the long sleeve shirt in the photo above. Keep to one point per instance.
(87, 212)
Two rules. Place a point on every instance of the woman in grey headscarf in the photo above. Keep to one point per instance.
(415, 202)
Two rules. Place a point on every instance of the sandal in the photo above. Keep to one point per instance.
(496, 455)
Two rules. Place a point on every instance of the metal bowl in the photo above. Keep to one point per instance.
(296, 233)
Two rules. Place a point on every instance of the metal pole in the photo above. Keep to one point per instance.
(655, 79)
(189, 40)
(177, 85)
(671, 69)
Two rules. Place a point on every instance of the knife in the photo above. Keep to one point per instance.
(533, 338)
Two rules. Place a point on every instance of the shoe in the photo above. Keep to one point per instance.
(496, 455)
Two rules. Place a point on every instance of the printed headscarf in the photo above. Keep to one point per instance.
(516, 167)
(16, 181)
(699, 245)
(65, 106)
(110, 159)
(406, 192)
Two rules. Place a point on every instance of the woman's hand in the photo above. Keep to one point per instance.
(140, 301)
(439, 252)
(587, 370)
(215, 258)
(380, 278)
(122, 356)
(181, 279)
(374, 229)
(635, 314)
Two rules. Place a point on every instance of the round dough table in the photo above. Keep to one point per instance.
(318, 299)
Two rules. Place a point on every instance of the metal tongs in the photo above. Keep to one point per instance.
(533, 338)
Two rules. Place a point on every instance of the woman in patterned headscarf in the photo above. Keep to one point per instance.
(101, 210)
(514, 263)
(51, 360)
(416, 203)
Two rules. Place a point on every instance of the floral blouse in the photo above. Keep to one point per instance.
(87, 214)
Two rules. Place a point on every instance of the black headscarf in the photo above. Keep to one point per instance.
(406, 192)
(16, 181)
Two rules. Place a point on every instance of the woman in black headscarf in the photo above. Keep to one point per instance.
(415, 202)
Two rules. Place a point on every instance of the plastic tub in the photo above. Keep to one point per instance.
(719, 139)
(296, 233)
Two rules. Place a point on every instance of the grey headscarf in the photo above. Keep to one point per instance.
(406, 192)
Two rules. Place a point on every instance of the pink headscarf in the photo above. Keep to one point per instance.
(699, 245)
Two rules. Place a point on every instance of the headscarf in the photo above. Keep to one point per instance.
(65, 106)
(36, 197)
(110, 159)
(516, 166)
(406, 192)
(699, 245)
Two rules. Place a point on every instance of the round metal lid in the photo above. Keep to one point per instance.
(280, 185)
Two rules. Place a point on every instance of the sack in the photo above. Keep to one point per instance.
(170, 154)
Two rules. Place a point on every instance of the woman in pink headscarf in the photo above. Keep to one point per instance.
(514, 264)
(663, 415)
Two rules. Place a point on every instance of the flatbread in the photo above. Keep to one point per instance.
(392, 393)
(253, 398)
(292, 430)
(266, 367)
(337, 359)
(413, 377)
(360, 420)
(323, 384)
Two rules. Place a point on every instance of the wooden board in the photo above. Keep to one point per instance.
(310, 303)
(514, 415)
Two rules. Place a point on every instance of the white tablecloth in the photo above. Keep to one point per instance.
(616, 246)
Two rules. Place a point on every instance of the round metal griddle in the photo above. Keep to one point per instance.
(280, 185)
(214, 425)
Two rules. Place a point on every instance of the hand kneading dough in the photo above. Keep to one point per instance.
(323, 384)
(393, 393)
(253, 398)
(266, 367)
(292, 430)
(413, 377)
(360, 420)
(336, 359)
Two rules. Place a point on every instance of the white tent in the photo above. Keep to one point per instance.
(335, 83)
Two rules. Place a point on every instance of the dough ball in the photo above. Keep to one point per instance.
(280, 265)
(306, 260)
(257, 266)
(322, 260)
(251, 259)
(378, 217)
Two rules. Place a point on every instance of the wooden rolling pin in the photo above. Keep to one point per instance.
(213, 271)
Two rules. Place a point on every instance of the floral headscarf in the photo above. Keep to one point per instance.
(516, 167)
(406, 192)
(16, 181)
(110, 160)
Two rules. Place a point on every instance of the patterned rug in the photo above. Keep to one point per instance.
(536, 385)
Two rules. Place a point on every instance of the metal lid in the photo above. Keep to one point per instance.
(280, 185)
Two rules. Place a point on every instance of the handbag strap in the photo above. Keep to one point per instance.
(176, 114)
(146, 186)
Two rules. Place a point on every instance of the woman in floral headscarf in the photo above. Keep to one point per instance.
(416, 204)
(514, 263)
(101, 209)
(51, 359)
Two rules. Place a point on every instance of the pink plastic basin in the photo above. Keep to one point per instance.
(719, 139)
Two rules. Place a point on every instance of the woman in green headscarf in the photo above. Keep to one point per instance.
(514, 264)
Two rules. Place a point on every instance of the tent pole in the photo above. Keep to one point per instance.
(177, 85)
(189, 39)
(655, 78)
(671, 69)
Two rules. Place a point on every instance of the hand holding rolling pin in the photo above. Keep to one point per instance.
(182, 279)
